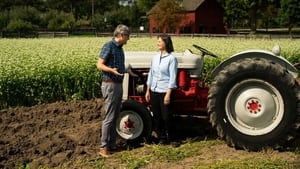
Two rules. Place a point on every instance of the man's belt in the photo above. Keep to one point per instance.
(111, 81)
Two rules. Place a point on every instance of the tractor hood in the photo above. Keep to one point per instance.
(186, 60)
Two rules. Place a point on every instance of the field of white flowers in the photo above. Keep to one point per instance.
(45, 70)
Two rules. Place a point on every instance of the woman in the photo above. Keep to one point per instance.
(160, 83)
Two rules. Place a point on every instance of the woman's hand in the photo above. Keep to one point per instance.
(167, 99)
(147, 96)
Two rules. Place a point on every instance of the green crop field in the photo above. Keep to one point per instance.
(45, 70)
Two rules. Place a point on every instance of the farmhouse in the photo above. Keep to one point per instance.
(198, 16)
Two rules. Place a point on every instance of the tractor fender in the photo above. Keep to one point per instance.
(257, 54)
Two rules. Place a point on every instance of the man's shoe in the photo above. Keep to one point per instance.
(104, 152)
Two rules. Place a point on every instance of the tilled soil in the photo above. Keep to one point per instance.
(56, 133)
(61, 132)
(49, 134)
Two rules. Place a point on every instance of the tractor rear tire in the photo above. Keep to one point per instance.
(134, 121)
(254, 104)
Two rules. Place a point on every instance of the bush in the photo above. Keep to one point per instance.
(60, 21)
(19, 25)
(23, 19)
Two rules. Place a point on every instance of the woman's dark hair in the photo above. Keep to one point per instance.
(168, 42)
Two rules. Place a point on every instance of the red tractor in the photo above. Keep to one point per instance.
(253, 100)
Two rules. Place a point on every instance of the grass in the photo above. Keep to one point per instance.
(205, 154)
(247, 163)
(147, 155)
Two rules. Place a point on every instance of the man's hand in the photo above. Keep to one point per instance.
(115, 72)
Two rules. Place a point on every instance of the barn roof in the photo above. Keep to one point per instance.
(191, 5)
(187, 5)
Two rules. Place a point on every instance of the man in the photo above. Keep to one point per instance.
(112, 64)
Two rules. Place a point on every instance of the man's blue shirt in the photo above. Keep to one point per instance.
(162, 73)
(113, 54)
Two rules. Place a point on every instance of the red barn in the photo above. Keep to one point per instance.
(200, 16)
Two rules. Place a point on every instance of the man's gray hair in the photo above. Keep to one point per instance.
(121, 29)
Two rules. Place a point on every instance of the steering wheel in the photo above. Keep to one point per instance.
(205, 52)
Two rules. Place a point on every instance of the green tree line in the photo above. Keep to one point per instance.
(103, 15)
(266, 14)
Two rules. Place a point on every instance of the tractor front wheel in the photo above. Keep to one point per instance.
(134, 121)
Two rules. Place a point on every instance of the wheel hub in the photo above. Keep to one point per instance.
(128, 124)
(254, 106)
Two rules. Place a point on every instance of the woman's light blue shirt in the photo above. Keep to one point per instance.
(162, 73)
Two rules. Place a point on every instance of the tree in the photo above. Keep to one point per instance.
(254, 7)
(19, 25)
(167, 14)
(5, 5)
(59, 20)
(103, 6)
(235, 13)
(247, 13)
(99, 22)
(23, 19)
(290, 13)
(268, 16)
(118, 16)
(3, 20)
(145, 5)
